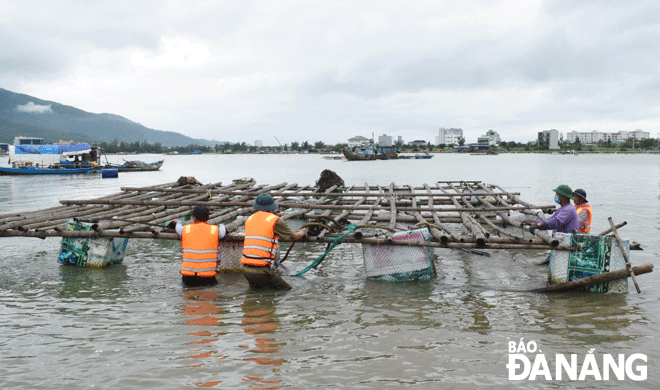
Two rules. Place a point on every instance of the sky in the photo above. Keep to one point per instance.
(331, 70)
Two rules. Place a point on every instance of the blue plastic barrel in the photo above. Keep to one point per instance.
(109, 173)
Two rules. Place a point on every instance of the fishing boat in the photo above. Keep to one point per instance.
(136, 166)
(371, 152)
(64, 159)
(423, 156)
(33, 170)
(362, 153)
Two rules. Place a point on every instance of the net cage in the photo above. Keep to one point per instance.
(595, 255)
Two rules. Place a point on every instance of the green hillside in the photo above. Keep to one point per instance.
(24, 115)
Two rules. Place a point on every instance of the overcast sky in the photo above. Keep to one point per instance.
(330, 70)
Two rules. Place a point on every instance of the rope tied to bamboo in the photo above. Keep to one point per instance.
(349, 229)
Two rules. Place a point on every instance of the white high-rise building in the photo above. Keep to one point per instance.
(592, 137)
(448, 136)
(551, 137)
(385, 140)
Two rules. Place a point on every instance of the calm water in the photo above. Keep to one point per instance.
(134, 326)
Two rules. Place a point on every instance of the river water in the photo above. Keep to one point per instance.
(135, 326)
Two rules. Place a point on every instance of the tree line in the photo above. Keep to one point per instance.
(117, 146)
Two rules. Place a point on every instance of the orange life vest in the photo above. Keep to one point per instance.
(199, 242)
(260, 245)
(578, 209)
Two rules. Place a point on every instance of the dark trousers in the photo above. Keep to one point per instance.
(197, 281)
(260, 277)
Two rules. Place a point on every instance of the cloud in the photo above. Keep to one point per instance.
(237, 71)
(30, 107)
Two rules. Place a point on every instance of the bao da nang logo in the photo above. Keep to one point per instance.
(528, 362)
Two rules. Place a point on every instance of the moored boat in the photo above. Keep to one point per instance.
(371, 152)
(366, 153)
(63, 159)
(136, 166)
(32, 170)
(423, 156)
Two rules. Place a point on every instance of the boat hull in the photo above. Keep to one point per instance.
(28, 171)
(352, 156)
(148, 167)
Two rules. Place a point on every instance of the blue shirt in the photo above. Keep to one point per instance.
(564, 220)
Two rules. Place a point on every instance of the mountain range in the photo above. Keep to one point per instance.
(24, 115)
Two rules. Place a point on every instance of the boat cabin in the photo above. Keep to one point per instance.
(65, 155)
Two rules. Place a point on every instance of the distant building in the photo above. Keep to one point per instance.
(385, 140)
(399, 140)
(419, 142)
(448, 136)
(258, 143)
(358, 141)
(28, 141)
(639, 134)
(491, 138)
(592, 137)
(494, 135)
(550, 138)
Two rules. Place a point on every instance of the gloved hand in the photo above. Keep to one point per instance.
(532, 228)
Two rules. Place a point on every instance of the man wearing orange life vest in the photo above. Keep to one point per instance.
(260, 258)
(583, 210)
(199, 242)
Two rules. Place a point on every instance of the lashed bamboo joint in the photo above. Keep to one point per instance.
(458, 214)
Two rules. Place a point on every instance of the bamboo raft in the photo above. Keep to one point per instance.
(463, 215)
(458, 214)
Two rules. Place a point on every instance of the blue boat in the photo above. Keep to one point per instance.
(42, 171)
(64, 159)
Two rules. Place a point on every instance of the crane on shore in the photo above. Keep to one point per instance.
(278, 141)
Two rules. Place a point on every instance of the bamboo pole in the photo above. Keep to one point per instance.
(176, 212)
(539, 233)
(622, 224)
(437, 221)
(307, 204)
(502, 215)
(61, 213)
(435, 232)
(316, 194)
(367, 217)
(471, 225)
(240, 238)
(624, 254)
(340, 216)
(529, 206)
(595, 279)
(136, 213)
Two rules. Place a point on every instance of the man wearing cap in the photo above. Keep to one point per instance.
(583, 210)
(564, 219)
(263, 230)
(199, 242)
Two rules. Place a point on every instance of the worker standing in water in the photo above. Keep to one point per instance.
(199, 242)
(583, 210)
(564, 219)
(263, 230)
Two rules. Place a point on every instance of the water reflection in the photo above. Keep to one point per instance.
(260, 321)
(203, 311)
(87, 282)
(598, 318)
